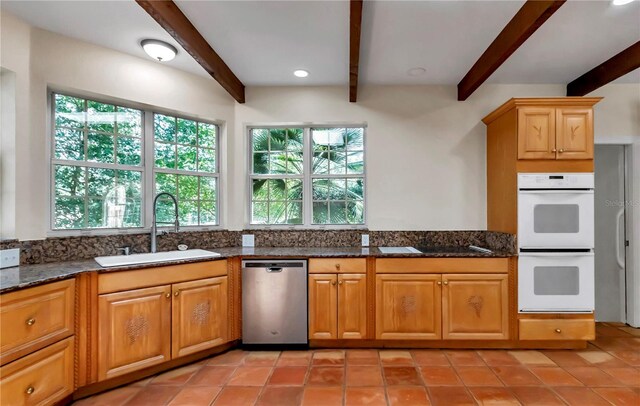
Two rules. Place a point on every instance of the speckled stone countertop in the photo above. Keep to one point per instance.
(30, 275)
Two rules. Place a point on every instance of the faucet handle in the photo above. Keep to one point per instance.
(126, 250)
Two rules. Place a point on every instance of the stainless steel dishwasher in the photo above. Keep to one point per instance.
(274, 302)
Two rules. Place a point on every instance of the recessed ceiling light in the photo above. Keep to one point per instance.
(621, 2)
(416, 71)
(159, 50)
(301, 73)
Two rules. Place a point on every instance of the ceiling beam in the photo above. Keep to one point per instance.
(608, 71)
(526, 21)
(171, 18)
(354, 47)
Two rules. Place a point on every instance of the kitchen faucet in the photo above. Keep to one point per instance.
(154, 226)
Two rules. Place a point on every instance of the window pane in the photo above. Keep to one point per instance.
(165, 155)
(101, 117)
(187, 158)
(69, 111)
(320, 189)
(260, 213)
(129, 151)
(187, 187)
(69, 181)
(328, 138)
(69, 212)
(165, 212)
(355, 212)
(100, 148)
(166, 182)
(69, 144)
(206, 160)
(129, 121)
(294, 213)
(320, 164)
(355, 189)
(207, 135)
(188, 212)
(164, 128)
(295, 163)
(260, 139)
(260, 189)
(208, 212)
(277, 212)
(337, 189)
(100, 181)
(277, 189)
(260, 163)
(337, 163)
(207, 188)
(294, 189)
(355, 137)
(355, 162)
(295, 140)
(337, 213)
(186, 131)
(320, 212)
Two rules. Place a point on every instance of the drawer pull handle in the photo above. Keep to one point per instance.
(558, 331)
(31, 321)
(30, 390)
(338, 267)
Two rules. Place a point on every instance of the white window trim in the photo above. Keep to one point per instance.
(307, 200)
(146, 167)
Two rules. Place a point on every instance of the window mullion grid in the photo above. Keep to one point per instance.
(307, 161)
(148, 137)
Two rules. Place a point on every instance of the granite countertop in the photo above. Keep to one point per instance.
(30, 275)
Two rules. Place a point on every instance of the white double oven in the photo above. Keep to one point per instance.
(556, 240)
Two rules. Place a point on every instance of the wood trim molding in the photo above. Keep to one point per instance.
(173, 20)
(86, 368)
(608, 71)
(371, 297)
(355, 30)
(540, 102)
(526, 21)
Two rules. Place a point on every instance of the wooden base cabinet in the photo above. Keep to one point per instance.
(199, 315)
(134, 330)
(337, 306)
(408, 307)
(475, 307)
(144, 327)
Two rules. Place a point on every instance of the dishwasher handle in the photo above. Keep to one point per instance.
(274, 270)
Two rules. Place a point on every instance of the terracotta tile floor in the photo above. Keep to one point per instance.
(606, 373)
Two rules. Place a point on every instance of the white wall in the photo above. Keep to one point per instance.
(63, 63)
(7, 154)
(425, 150)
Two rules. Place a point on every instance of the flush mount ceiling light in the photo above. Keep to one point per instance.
(621, 2)
(301, 73)
(159, 50)
(416, 71)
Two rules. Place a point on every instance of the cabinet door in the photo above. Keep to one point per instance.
(536, 133)
(352, 306)
(323, 306)
(134, 330)
(574, 133)
(475, 307)
(408, 307)
(200, 318)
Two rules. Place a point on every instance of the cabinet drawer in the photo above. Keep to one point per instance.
(337, 265)
(33, 318)
(42, 378)
(557, 329)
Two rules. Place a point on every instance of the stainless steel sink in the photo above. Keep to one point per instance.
(134, 259)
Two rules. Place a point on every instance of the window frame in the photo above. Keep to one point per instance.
(307, 198)
(146, 167)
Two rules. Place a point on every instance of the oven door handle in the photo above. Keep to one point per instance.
(556, 254)
(556, 192)
(619, 259)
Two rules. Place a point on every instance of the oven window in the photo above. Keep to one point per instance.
(556, 280)
(556, 218)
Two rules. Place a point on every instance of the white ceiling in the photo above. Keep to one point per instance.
(264, 41)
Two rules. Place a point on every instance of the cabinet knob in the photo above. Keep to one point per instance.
(338, 267)
(554, 150)
(333, 283)
(31, 321)
(446, 282)
(30, 390)
(340, 283)
(439, 283)
(176, 293)
(558, 331)
(167, 295)
(561, 150)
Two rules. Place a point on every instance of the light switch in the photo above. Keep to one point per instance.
(248, 240)
(365, 240)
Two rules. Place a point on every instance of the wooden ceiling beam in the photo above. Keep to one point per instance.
(608, 71)
(354, 48)
(173, 20)
(526, 21)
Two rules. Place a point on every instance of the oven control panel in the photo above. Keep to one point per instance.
(555, 181)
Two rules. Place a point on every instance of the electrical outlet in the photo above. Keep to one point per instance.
(365, 240)
(248, 240)
(9, 258)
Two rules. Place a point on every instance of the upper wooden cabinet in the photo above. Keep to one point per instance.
(536, 133)
(574, 133)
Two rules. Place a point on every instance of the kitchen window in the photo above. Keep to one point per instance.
(307, 176)
(101, 166)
